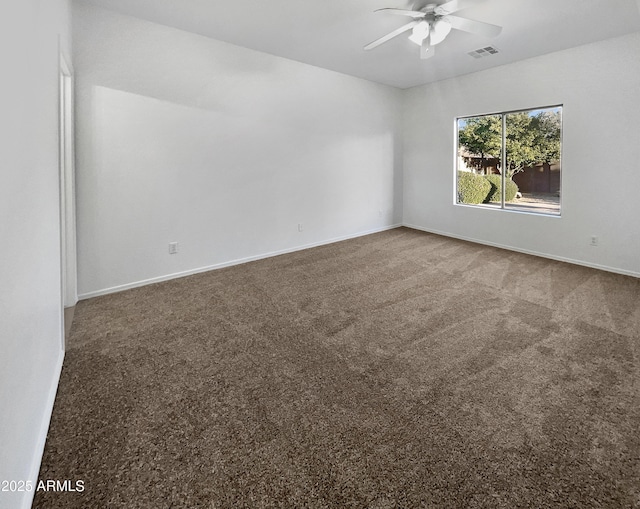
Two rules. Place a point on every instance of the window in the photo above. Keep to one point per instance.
(526, 144)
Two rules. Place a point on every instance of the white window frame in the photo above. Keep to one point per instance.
(503, 115)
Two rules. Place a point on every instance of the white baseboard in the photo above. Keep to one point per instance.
(229, 263)
(527, 251)
(38, 452)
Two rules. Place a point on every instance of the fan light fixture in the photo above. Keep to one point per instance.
(439, 31)
(419, 33)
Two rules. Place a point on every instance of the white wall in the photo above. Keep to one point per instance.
(599, 85)
(220, 148)
(30, 301)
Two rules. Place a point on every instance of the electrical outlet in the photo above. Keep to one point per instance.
(594, 240)
(299, 227)
(173, 247)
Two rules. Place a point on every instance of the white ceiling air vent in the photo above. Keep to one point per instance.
(483, 52)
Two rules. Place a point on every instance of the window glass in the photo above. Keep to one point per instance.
(527, 144)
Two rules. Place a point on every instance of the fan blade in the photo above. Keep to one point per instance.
(391, 35)
(426, 50)
(447, 8)
(403, 12)
(474, 27)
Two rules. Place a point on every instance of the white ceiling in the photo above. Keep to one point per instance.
(332, 33)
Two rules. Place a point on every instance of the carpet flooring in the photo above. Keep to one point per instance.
(400, 369)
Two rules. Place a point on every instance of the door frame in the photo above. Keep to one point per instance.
(66, 163)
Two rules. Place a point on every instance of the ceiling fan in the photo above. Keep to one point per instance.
(431, 24)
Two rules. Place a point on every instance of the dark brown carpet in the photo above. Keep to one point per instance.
(400, 369)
